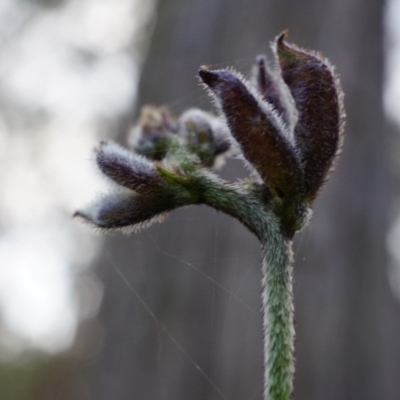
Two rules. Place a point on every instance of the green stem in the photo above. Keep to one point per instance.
(277, 298)
(246, 204)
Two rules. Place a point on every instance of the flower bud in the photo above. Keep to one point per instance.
(262, 136)
(319, 101)
(153, 132)
(204, 134)
(274, 91)
(128, 169)
(125, 211)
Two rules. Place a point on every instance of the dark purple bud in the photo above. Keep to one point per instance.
(126, 211)
(319, 101)
(272, 89)
(128, 169)
(262, 136)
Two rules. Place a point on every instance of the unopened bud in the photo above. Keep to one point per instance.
(318, 98)
(125, 211)
(128, 169)
(274, 91)
(204, 134)
(153, 132)
(259, 132)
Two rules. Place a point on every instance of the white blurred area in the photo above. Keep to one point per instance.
(66, 72)
(392, 108)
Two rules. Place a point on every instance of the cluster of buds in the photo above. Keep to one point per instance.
(203, 135)
(286, 122)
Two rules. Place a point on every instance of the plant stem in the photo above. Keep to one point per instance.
(277, 299)
(277, 265)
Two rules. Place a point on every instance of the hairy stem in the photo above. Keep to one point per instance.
(277, 295)
(277, 299)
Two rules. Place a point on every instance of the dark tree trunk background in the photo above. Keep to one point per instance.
(348, 321)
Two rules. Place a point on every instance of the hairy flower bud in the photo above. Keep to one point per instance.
(154, 131)
(123, 210)
(204, 134)
(259, 131)
(273, 90)
(128, 169)
(319, 100)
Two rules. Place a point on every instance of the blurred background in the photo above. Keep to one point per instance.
(173, 312)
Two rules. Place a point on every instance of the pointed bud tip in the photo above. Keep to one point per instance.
(217, 78)
(82, 216)
(289, 54)
(282, 36)
(210, 78)
(261, 60)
